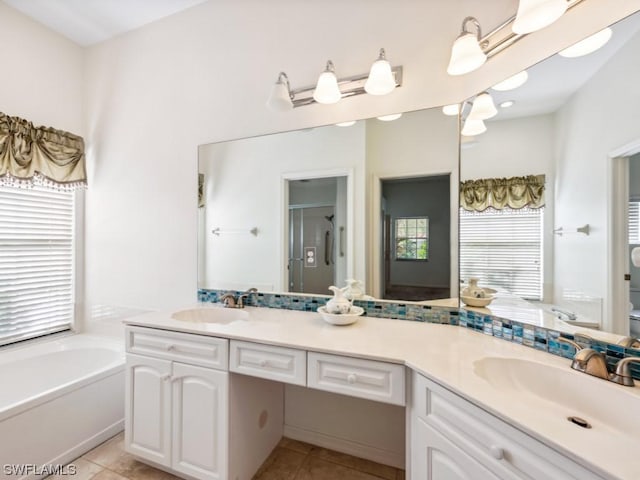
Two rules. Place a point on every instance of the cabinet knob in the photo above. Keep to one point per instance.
(496, 452)
(262, 363)
(351, 378)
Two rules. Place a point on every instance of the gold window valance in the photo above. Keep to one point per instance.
(32, 155)
(515, 192)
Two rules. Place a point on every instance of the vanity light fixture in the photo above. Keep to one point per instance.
(482, 107)
(471, 50)
(472, 127)
(534, 15)
(390, 118)
(327, 90)
(588, 45)
(512, 82)
(381, 80)
(346, 124)
(466, 54)
(451, 110)
(507, 104)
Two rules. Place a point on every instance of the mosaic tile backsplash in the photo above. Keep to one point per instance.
(528, 335)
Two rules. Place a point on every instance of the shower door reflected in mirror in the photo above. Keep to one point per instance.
(317, 218)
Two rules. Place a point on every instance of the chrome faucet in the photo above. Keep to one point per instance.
(570, 315)
(622, 375)
(230, 301)
(588, 360)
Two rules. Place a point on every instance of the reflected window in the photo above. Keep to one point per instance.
(503, 248)
(634, 222)
(411, 238)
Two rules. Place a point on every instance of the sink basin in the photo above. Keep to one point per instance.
(561, 392)
(218, 315)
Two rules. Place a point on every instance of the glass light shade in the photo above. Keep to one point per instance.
(473, 126)
(588, 45)
(327, 90)
(451, 110)
(380, 81)
(536, 14)
(346, 124)
(510, 83)
(466, 55)
(483, 108)
(390, 118)
(507, 104)
(279, 100)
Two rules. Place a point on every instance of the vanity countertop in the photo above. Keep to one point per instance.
(445, 354)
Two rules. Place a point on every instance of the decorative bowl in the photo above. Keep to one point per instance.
(341, 318)
(477, 302)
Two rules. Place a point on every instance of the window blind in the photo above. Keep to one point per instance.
(36, 262)
(503, 248)
(634, 222)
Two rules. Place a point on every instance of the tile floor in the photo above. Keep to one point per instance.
(290, 460)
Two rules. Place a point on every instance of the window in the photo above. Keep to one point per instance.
(36, 262)
(412, 238)
(634, 222)
(503, 248)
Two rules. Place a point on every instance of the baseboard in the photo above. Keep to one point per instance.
(386, 457)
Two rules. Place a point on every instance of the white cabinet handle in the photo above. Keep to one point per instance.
(496, 452)
(262, 362)
(351, 378)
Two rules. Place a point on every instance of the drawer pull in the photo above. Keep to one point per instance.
(262, 362)
(496, 452)
(352, 378)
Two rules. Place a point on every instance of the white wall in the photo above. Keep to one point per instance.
(601, 117)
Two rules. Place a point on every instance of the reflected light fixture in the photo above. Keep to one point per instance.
(346, 124)
(473, 126)
(451, 110)
(380, 80)
(536, 14)
(327, 91)
(507, 104)
(512, 82)
(466, 54)
(281, 96)
(588, 45)
(482, 108)
(390, 118)
(635, 257)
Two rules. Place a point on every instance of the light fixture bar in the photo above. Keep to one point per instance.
(349, 87)
(491, 45)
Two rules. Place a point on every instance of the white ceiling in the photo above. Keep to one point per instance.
(87, 22)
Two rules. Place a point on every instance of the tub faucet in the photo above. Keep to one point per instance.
(588, 360)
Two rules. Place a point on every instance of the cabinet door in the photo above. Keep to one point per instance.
(433, 457)
(148, 408)
(200, 422)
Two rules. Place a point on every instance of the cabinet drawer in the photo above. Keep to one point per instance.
(500, 447)
(380, 381)
(184, 347)
(286, 365)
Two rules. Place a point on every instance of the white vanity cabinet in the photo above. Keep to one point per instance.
(452, 439)
(176, 413)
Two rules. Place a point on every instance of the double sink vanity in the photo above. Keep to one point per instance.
(205, 395)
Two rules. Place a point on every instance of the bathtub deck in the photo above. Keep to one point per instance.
(290, 460)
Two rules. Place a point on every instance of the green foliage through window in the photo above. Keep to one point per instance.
(412, 238)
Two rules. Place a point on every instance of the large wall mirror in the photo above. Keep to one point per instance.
(299, 211)
(573, 127)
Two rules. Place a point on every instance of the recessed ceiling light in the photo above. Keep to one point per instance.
(512, 82)
(451, 109)
(507, 104)
(346, 124)
(588, 45)
(389, 118)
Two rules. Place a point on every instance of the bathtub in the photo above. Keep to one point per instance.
(58, 399)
